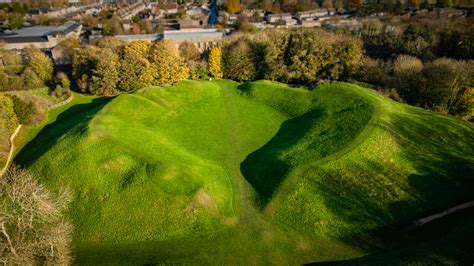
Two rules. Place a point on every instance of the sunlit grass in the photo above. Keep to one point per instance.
(251, 173)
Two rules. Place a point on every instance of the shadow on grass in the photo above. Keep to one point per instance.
(50, 134)
(444, 241)
(263, 168)
(441, 151)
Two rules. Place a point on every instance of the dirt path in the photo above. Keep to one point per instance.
(12, 148)
(17, 130)
(438, 215)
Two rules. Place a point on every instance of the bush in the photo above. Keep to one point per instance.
(8, 118)
(198, 70)
(61, 92)
(96, 70)
(33, 227)
(24, 110)
(373, 71)
(238, 61)
(407, 78)
(62, 80)
(40, 64)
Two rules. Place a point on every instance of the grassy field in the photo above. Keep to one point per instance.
(249, 173)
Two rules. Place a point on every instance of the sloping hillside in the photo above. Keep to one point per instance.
(256, 172)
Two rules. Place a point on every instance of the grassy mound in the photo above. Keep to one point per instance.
(254, 172)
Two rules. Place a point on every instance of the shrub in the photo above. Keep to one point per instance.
(96, 70)
(40, 64)
(62, 80)
(61, 92)
(238, 61)
(30, 79)
(8, 118)
(407, 78)
(24, 111)
(198, 70)
(373, 71)
(135, 72)
(33, 227)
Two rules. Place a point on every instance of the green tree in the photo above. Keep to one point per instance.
(407, 77)
(15, 20)
(310, 58)
(24, 110)
(8, 118)
(62, 79)
(135, 73)
(40, 64)
(273, 47)
(96, 70)
(444, 81)
(238, 61)
(348, 54)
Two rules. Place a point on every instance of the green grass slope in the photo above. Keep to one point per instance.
(256, 172)
(406, 162)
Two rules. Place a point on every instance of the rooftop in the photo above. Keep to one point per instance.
(40, 31)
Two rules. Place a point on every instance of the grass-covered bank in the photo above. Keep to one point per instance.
(256, 172)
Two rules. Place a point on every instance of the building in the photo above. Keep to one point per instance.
(42, 37)
(274, 18)
(166, 8)
(314, 14)
(192, 24)
(202, 38)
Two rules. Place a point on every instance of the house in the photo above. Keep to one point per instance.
(196, 11)
(232, 19)
(309, 23)
(191, 24)
(202, 38)
(42, 37)
(274, 18)
(256, 21)
(166, 8)
(253, 12)
(314, 14)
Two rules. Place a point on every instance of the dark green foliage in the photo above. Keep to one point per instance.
(426, 39)
(96, 70)
(238, 61)
(299, 56)
(131, 69)
(24, 110)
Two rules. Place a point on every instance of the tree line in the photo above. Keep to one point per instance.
(301, 57)
(427, 37)
(29, 70)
